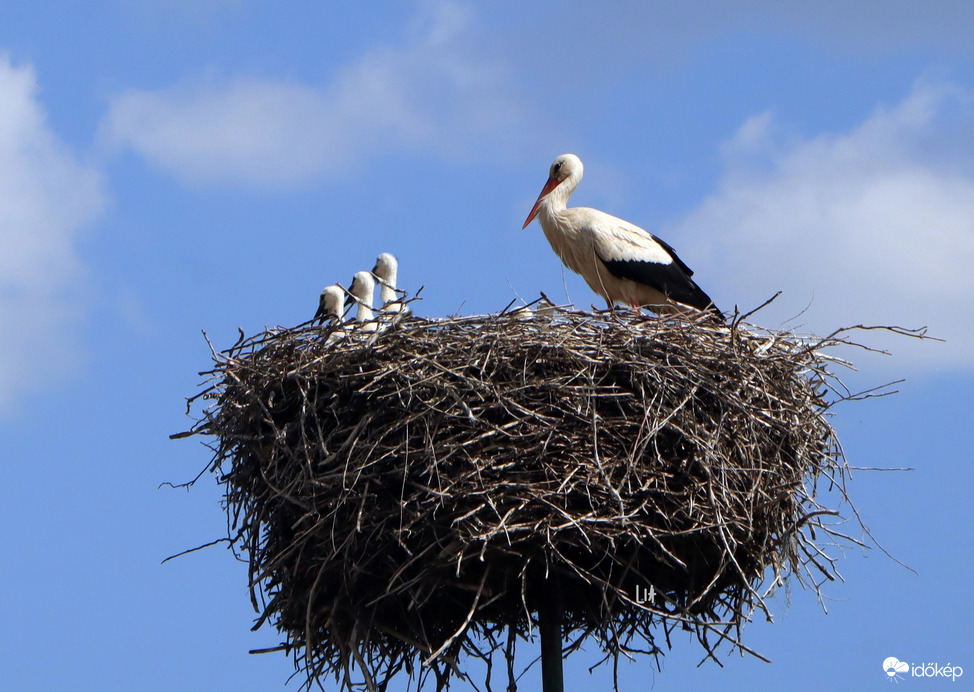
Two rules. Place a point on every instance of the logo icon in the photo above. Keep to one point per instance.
(893, 668)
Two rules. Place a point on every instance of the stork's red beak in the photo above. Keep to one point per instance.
(548, 187)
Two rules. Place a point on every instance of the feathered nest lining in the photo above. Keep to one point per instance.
(406, 498)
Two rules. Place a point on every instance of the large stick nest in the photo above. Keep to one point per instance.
(406, 498)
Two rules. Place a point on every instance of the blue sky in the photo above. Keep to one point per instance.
(169, 167)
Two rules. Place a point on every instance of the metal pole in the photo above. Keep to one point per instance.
(549, 623)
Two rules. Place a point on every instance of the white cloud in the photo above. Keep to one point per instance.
(46, 196)
(429, 95)
(873, 226)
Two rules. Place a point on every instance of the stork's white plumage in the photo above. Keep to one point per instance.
(546, 310)
(361, 292)
(330, 303)
(619, 261)
(523, 313)
(386, 271)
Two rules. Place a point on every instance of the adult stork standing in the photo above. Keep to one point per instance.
(330, 304)
(618, 260)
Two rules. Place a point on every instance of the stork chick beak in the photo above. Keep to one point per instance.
(548, 187)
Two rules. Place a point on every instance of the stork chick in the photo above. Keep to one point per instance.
(361, 292)
(386, 272)
(330, 304)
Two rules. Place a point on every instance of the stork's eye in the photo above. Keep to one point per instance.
(556, 167)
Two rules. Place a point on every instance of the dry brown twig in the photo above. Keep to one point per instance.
(402, 499)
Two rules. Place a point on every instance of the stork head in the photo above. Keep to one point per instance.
(330, 302)
(361, 290)
(386, 267)
(564, 174)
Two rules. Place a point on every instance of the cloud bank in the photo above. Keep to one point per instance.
(874, 225)
(46, 197)
(429, 95)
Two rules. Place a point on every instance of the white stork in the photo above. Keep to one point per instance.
(386, 272)
(619, 261)
(330, 304)
(361, 291)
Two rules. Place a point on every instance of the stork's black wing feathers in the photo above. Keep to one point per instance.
(676, 258)
(672, 279)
